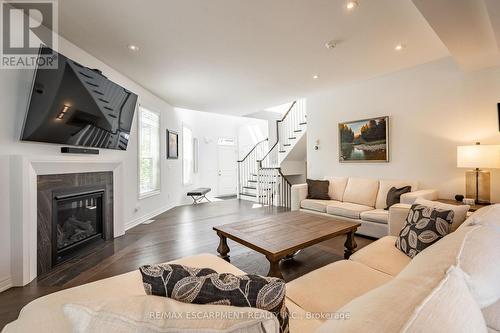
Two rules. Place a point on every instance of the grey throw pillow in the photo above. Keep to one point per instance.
(424, 226)
(318, 189)
(206, 286)
(394, 195)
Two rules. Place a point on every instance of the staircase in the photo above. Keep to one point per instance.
(260, 176)
(248, 169)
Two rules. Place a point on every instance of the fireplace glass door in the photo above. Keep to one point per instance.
(78, 219)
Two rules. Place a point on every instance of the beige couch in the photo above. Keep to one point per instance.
(358, 199)
(378, 290)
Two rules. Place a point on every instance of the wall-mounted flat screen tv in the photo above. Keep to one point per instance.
(76, 105)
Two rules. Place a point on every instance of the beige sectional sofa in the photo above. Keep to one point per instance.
(379, 289)
(358, 199)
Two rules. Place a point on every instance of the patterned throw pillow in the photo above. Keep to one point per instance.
(423, 227)
(206, 286)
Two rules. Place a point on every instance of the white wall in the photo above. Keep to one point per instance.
(271, 118)
(14, 92)
(433, 108)
(250, 134)
(5, 271)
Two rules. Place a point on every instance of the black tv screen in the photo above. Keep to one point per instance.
(76, 105)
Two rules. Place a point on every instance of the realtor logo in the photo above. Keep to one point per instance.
(26, 25)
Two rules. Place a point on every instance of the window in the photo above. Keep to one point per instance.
(226, 142)
(187, 156)
(149, 152)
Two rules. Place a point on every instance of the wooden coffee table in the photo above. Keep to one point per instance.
(281, 235)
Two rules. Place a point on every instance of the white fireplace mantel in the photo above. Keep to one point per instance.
(23, 195)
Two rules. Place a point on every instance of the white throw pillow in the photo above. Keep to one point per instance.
(487, 216)
(480, 260)
(460, 211)
(449, 308)
(154, 314)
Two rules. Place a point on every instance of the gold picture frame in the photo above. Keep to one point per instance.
(364, 140)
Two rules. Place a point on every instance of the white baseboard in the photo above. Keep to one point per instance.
(5, 283)
(140, 220)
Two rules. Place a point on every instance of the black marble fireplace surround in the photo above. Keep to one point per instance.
(74, 213)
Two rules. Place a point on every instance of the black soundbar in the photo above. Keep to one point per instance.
(71, 150)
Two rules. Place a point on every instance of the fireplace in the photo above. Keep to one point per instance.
(77, 219)
(74, 216)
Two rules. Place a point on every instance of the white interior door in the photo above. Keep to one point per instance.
(227, 173)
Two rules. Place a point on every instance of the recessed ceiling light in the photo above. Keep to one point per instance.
(315, 76)
(350, 5)
(331, 44)
(133, 47)
(399, 47)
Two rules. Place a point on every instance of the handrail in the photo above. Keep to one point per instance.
(251, 150)
(269, 152)
(283, 176)
(277, 132)
(286, 200)
(286, 113)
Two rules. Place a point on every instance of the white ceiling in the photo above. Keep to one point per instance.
(470, 29)
(242, 56)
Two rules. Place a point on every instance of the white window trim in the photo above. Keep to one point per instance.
(155, 192)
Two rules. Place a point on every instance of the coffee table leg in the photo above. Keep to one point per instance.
(350, 245)
(223, 249)
(274, 268)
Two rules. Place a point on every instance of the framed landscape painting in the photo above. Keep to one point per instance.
(172, 145)
(364, 140)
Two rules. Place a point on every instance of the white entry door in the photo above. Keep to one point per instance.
(227, 172)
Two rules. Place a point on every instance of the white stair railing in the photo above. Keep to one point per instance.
(274, 189)
(259, 174)
(291, 125)
(248, 169)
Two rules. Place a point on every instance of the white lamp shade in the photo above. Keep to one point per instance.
(478, 156)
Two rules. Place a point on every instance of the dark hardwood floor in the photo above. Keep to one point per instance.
(179, 232)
